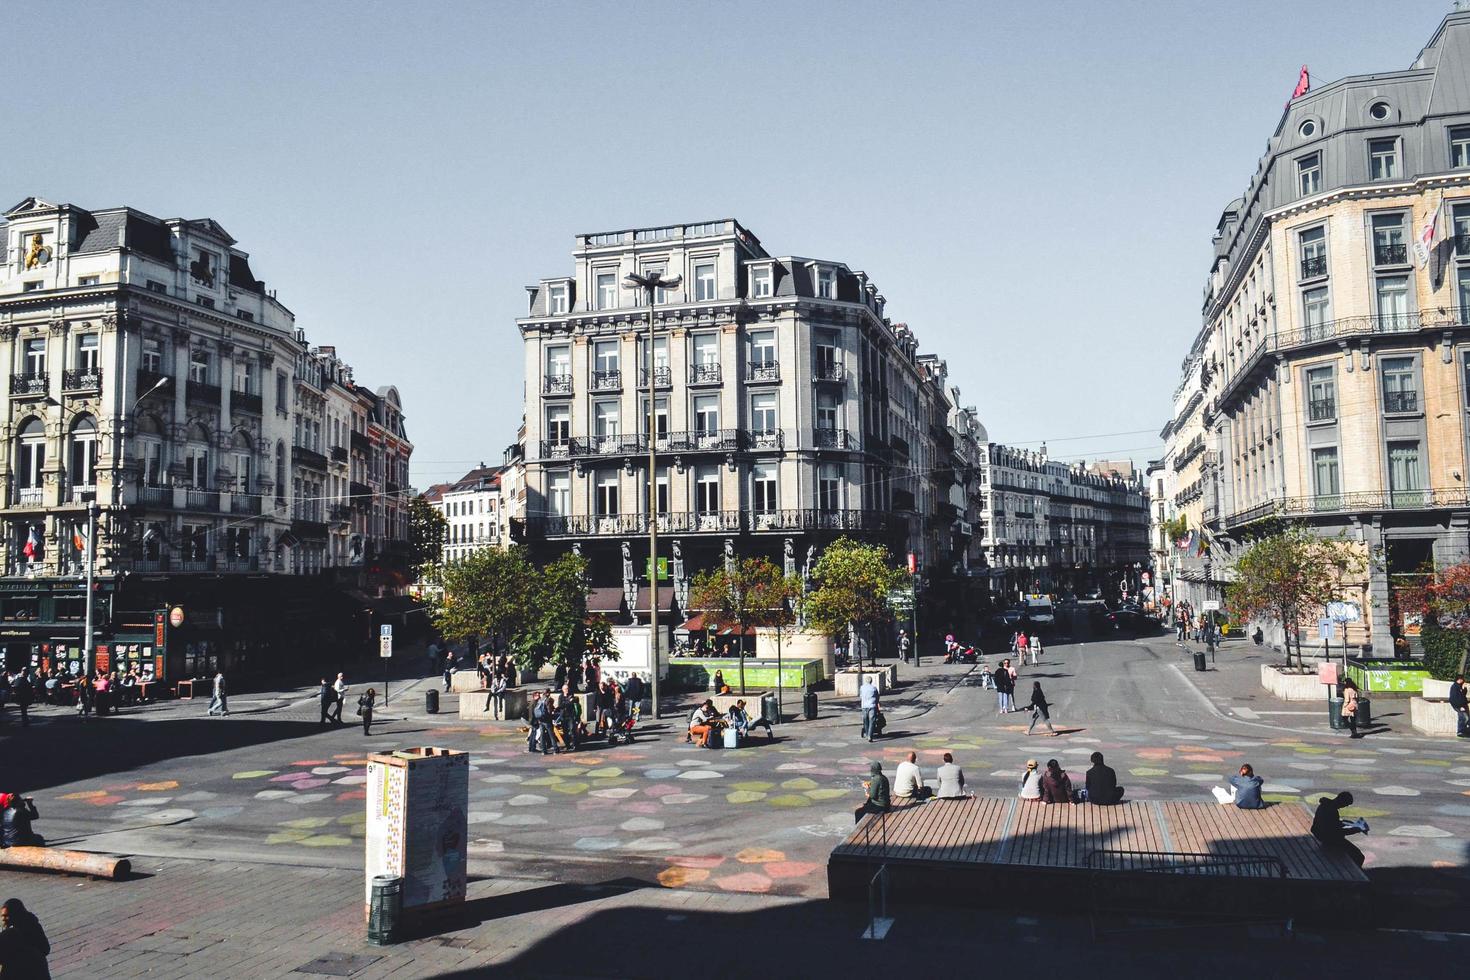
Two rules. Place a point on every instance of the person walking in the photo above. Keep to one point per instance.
(448, 670)
(868, 700)
(1350, 706)
(365, 709)
(1040, 710)
(24, 692)
(495, 700)
(339, 688)
(23, 943)
(1005, 687)
(541, 724)
(905, 645)
(1458, 700)
(1035, 649)
(327, 697)
(218, 705)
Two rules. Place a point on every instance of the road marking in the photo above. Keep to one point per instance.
(1246, 713)
(1313, 713)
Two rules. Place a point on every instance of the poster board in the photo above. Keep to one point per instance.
(418, 825)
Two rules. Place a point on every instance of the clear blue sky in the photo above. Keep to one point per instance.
(1032, 186)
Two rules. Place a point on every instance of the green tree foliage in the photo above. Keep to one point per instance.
(427, 530)
(1443, 599)
(754, 593)
(1444, 650)
(1286, 575)
(853, 582)
(1176, 528)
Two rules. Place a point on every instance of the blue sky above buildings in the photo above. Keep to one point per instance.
(1031, 186)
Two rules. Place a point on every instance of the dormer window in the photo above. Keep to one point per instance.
(1383, 159)
(556, 299)
(761, 282)
(204, 268)
(827, 283)
(1309, 174)
(704, 281)
(607, 290)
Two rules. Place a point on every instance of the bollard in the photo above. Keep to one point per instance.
(809, 705)
(385, 912)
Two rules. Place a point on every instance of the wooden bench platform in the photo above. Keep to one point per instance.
(1138, 856)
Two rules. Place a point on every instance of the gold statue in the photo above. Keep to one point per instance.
(38, 254)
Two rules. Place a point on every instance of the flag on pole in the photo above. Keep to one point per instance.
(1428, 235)
(32, 548)
(1303, 82)
(79, 537)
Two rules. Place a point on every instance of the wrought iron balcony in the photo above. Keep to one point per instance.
(556, 384)
(148, 379)
(156, 496)
(663, 377)
(243, 503)
(1352, 503)
(828, 371)
(361, 443)
(82, 379)
(1390, 253)
(198, 499)
(765, 439)
(244, 401)
(763, 371)
(202, 393)
(29, 385)
(832, 439)
(1321, 409)
(309, 530)
(704, 374)
(607, 380)
(611, 445)
(1314, 266)
(556, 448)
(362, 494)
(1401, 401)
(340, 513)
(309, 458)
(339, 454)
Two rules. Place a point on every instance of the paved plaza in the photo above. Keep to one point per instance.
(248, 829)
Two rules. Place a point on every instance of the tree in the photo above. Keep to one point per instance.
(753, 593)
(1287, 574)
(1443, 599)
(557, 628)
(487, 593)
(853, 585)
(427, 531)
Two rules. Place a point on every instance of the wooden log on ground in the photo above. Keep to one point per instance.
(67, 862)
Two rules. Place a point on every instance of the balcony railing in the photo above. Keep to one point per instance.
(309, 458)
(242, 503)
(202, 393)
(339, 454)
(663, 377)
(361, 443)
(28, 496)
(362, 494)
(827, 372)
(153, 496)
(83, 379)
(704, 374)
(1321, 409)
(1401, 401)
(1391, 253)
(30, 385)
(556, 384)
(81, 493)
(556, 448)
(246, 401)
(832, 439)
(726, 521)
(1352, 503)
(309, 530)
(148, 379)
(763, 371)
(340, 513)
(1314, 266)
(765, 439)
(607, 380)
(196, 499)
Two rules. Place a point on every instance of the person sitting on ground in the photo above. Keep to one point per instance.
(908, 782)
(1030, 782)
(1056, 785)
(1102, 783)
(23, 943)
(702, 723)
(1332, 831)
(876, 789)
(951, 780)
(1244, 791)
(16, 814)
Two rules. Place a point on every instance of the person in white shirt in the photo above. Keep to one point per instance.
(340, 686)
(908, 783)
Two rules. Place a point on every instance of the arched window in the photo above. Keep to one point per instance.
(244, 457)
(30, 460)
(150, 450)
(83, 460)
(196, 458)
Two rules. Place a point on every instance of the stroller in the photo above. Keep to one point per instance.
(622, 732)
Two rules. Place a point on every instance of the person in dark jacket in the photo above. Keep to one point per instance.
(1056, 786)
(1102, 783)
(877, 800)
(23, 943)
(365, 705)
(328, 698)
(1040, 709)
(16, 814)
(1005, 687)
(1329, 829)
(1458, 700)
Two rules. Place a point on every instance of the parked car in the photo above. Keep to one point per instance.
(1132, 621)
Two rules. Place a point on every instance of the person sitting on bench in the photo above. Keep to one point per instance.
(742, 724)
(1102, 783)
(702, 723)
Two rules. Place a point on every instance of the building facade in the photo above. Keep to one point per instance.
(1335, 343)
(472, 512)
(154, 383)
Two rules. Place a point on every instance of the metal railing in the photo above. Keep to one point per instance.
(201, 393)
(824, 438)
(700, 374)
(607, 380)
(1321, 409)
(1314, 266)
(663, 377)
(556, 384)
(196, 499)
(765, 439)
(241, 503)
(156, 496)
(84, 379)
(1401, 401)
(805, 519)
(763, 371)
(246, 401)
(29, 384)
(1187, 863)
(827, 372)
(339, 454)
(309, 458)
(1391, 253)
(1352, 503)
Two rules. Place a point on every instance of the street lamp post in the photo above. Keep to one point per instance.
(650, 283)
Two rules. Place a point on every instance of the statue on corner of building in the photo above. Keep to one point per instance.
(788, 562)
(627, 563)
(37, 254)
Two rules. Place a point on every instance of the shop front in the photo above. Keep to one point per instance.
(42, 622)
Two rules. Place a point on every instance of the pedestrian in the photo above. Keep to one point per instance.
(1102, 783)
(1350, 706)
(328, 697)
(1005, 687)
(23, 943)
(541, 724)
(719, 682)
(1040, 710)
(365, 709)
(24, 692)
(875, 789)
(1458, 701)
(339, 687)
(567, 708)
(1035, 648)
(16, 814)
(448, 670)
(218, 705)
(432, 655)
(904, 645)
(868, 701)
(1332, 831)
(633, 690)
(495, 700)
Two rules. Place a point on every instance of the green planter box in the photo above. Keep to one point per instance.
(1388, 676)
(696, 674)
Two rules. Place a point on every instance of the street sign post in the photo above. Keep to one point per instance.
(385, 650)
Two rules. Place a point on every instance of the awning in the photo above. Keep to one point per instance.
(696, 624)
(665, 599)
(608, 599)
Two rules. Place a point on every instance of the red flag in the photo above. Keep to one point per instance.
(1303, 82)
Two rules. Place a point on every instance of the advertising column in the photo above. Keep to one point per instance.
(417, 825)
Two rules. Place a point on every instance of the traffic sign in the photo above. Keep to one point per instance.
(1344, 612)
(385, 641)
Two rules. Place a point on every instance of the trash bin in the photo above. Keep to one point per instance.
(769, 711)
(385, 910)
(1199, 661)
(1334, 714)
(431, 701)
(1365, 712)
(809, 705)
